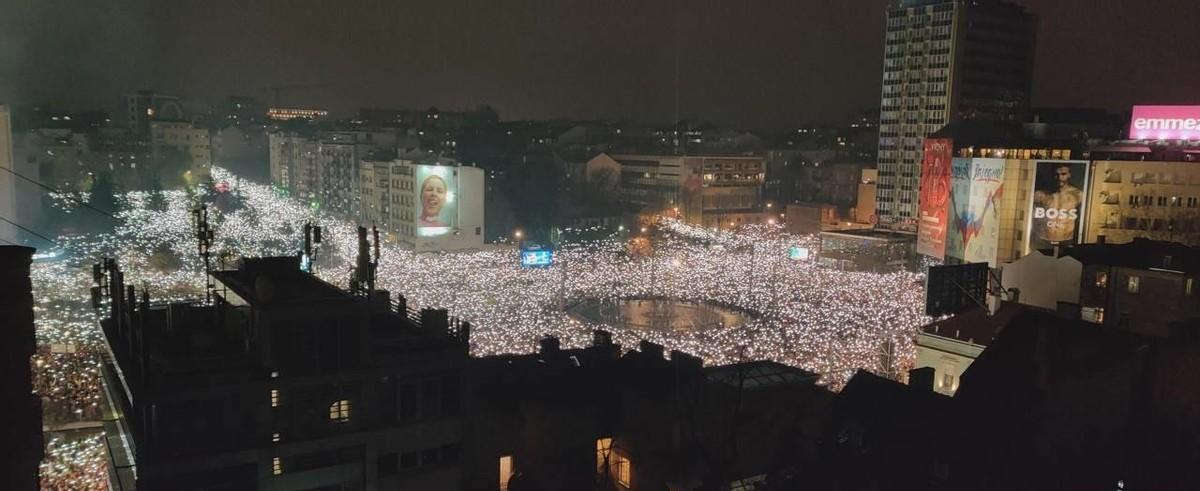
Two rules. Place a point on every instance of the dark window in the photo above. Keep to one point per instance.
(387, 464)
(408, 460)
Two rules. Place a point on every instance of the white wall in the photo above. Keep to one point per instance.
(1043, 280)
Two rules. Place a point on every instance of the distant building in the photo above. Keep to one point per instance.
(290, 113)
(864, 206)
(1141, 286)
(192, 141)
(243, 111)
(1144, 199)
(147, 106)
(285, 382)
(8, 195)
(396, 194)
(711, 191)
(22, 430)
(865, 250)
(945, 60)
(323, 168)
(1042, 281)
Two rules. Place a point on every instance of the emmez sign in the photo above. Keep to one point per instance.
(1165, 123)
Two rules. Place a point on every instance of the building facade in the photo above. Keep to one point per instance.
(285, 382)
(1140, 286)
(146, 106)
(944, 60)
(396, 193)
(1153, 200)
(711, 191)
(192, 141)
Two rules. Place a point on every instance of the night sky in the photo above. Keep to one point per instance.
(767, 64)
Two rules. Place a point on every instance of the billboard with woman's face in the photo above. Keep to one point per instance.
(436, 206)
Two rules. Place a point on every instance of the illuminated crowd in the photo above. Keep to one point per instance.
(827, 321)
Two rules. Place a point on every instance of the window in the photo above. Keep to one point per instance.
(340, 411)
(408, 460)
(274, 397)
(1134, 284)
(1187, 286)
(275, 437)
(386, 464)
(621, 469)
(506, 471)
(603, 449)
(1092, 314)
(1101, 279)
(276, 466)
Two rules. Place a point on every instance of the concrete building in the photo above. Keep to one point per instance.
(147, 106)
(1042, 281)
(293, 157)
(1141, 286)
(1144, 199)
(864, 206)
(8, 190)
(865, 250)
(285, 382)
(22, 429)
(290, 113)
(393, 199)
(949, 346)
(944, 60)
(324, 167)
(711, 191)
(193, 141)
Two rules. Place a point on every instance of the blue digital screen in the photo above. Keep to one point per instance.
(537, 259)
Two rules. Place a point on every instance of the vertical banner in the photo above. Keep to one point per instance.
(934, 197)
(1058, 204)
(976, 186)
(436, 207)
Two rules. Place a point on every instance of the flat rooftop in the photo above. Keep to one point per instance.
(275, 280)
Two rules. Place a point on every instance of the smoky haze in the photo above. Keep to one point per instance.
(763, 64)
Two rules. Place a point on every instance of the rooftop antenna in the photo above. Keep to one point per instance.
(204, 239)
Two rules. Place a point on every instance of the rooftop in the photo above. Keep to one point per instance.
(276, 280)
(1141, 254)
(975, 326)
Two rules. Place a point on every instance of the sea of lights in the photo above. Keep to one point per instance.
(827, 321)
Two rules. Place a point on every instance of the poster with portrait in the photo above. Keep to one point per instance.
(935, 192)
(436, 205)
(1057, 205)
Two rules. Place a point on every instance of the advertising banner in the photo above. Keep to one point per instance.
(1058, 203)
(976, 187)
(1165, 123)
(436, 207)
(935, 192)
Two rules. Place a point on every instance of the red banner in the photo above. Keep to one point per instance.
(935, 192)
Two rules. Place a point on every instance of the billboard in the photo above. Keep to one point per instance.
(953, 289)
(536, 256)
(436, 205)
(1056, 211)
(935, 191)
(976, 187)
(1165, 123)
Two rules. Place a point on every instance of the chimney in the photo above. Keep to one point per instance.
(548, 345)
(653, 350)
(921, 378)
(601, 338)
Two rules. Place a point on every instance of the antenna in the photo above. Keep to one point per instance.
(204, 239)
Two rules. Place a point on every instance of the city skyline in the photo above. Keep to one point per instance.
(770, 65)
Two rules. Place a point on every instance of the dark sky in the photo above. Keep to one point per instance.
(757, 63)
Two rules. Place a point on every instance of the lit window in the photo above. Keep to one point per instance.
(276, 466)
(506, 471)
(275, 437)
(1134, 284)
(603, 449)
(274, 397)
(1187, 287)
(1101, 280)
(621, 471)
(340, 411)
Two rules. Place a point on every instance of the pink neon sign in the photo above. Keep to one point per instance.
(1165, 123)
